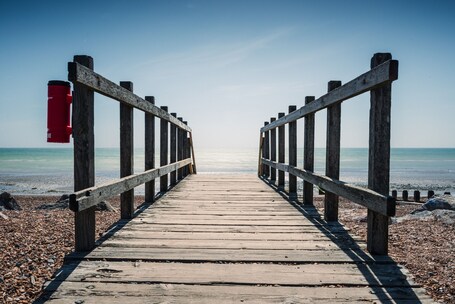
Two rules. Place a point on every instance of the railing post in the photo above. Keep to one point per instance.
(292, 154)
(84, 157)
(186, 150)
(173, 154)
(308, 150)
(379, 159)
(273, 150)
(126, 153)
(193, 157)
(332, 162)
(281, 152)
(149, 150)
(180, 149)
(266, 152)
(164, 143)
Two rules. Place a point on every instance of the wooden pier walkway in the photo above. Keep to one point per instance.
(230, 239)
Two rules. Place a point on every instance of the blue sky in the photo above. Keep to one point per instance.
(227, 66)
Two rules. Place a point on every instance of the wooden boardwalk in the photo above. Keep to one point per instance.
(230, 239)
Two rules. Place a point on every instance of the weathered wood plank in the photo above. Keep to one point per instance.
(272, 151)
(126, 153)
(378, 76)
(292, 157)
(91, 196)
(149, 150)
(332, 162)
(173, 151)
(72, 292)
(281, 151)
(84, 156)
(308, 150)
(372, 200)
(379, 158)
(77, 73)
(241, 274)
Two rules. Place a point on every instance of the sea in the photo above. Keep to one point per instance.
(49, 171)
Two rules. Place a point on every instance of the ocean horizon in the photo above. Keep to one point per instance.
(49, 171)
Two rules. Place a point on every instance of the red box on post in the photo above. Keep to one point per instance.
(58, 111)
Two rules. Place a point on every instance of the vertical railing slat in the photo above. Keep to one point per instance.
(149, 150)
(164, 146)
(126, 153)
(84, 157)
(292, 133)
(379, 159)
(281, 152)
(266, 153)
(173, 152)
(332, 163)
(273, 151)
(308, 150)
(180, 148)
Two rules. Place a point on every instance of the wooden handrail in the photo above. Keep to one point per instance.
(78, 73)
(380, 205)
(87, 194)
(89, 197)
(382, 74)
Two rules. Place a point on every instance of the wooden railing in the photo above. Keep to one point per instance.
(377, 81)
(180, 149)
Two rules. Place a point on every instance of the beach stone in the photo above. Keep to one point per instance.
(445, 201)
(7, 202)
(3, 216)
(445, 216)
(105, 206)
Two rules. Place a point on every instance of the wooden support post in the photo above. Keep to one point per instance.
(261, 142)
(164, 146)
(292, 155)
(126, 153)
(180, 149)
(84, 157)
(394, 194)
(193, 157)
(273, 151)
(149, 151)
(173, 154)
(281, 152)
(332, 163)
(379, 159)
(430, 194)
(266, 153)
(416, 196)
(186, 149)
(405, 195)
(308, 150)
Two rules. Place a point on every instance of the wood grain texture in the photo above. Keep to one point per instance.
(272, 150)
(164, 150)
(126, 153)
(228, 248)
(77, 73)
(173, 151)
(382, 74)
(281, 151)
(149, 150)
(84, 156)
(292, 146)
(308, 153)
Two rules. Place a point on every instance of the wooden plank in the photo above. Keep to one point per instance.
(126, 153)
(372, 200)
(149, 150)
(230, 255)
(232, 244)
(308, 150)
(281, 152)
(265, 236)
(77, 73)
(379, 158)
(164, 148)
(91, 196)
(180, 147)
(376, 77)
(241, 274)
(96, 293)
(173, 151)
(272, 151)
(292, 160)
(332, 162)
(193, 157)
(84, 156)
(265, 152)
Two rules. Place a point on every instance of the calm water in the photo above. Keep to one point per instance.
(50, 171)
